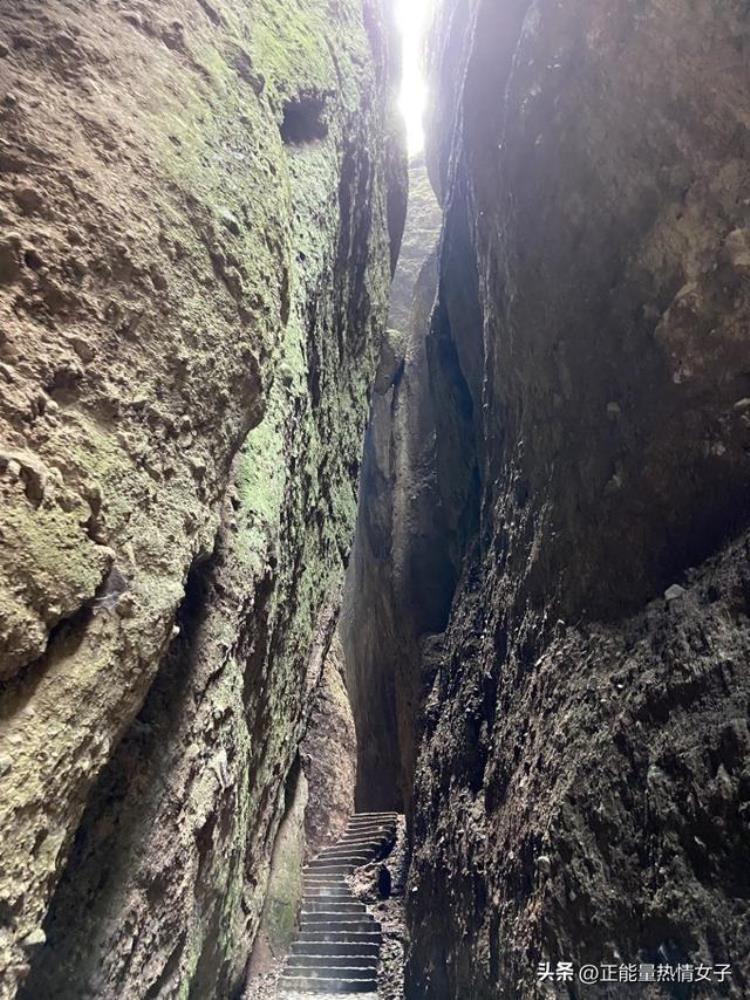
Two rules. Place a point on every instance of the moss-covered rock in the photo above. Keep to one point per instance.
(280, 913)
(185, 355)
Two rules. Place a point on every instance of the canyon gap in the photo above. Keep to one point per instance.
(545, 629)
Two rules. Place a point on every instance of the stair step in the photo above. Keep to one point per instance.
(337, 948)
(369, 847)
(347, 859)
(387, 812)
(325, 894)
(337, 883)
(361, 818)
(343, 937)
(325, 891)
(323, 971)
(368, 827)
(344, 854)
(360, 828)
(355, 828)
(348, 949)
(330, 868)
(350, 921)
(315, 961)
(352, 925)
(325, 863)
(319, 905)
(313, 985)
(364, 839)
(352, 863)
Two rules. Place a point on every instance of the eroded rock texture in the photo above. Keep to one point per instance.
(582, 791)
(199, 204)
(278, 923)
(399, 581)
(329, 756)
(319, 800)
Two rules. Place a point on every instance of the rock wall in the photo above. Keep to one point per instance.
(418, 243)
(399, 582)
(329, 756)
(278, 925)
(582, 787)
(581, 792)
(319, 800)
(199, 203)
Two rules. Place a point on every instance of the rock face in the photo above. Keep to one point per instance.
(319, 800)
(279, 920)
(199, 203)
(582, 788)
(329, 756)
(399, 582)
(419, 241)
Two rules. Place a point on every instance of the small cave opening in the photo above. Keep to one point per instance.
(304, 120)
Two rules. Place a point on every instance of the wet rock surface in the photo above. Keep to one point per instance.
(197, 205)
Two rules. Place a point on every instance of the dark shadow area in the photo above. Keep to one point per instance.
(303, 120)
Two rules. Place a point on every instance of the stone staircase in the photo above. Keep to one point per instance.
(338, 945)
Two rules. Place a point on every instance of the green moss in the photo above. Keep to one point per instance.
(285, 882)
(261, 481)
(289, 45)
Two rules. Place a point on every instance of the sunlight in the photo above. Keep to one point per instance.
(412, 16)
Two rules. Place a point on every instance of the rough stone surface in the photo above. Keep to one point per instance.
(580, 699)
(420, 238)
(582, 788)
(329, 756)
(399, 583)
(592, 809)
(279, 920)
(198, 205)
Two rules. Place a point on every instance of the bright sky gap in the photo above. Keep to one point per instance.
(412, 18)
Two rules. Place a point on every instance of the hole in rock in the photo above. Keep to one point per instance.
(303, 121)
(33, 260)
